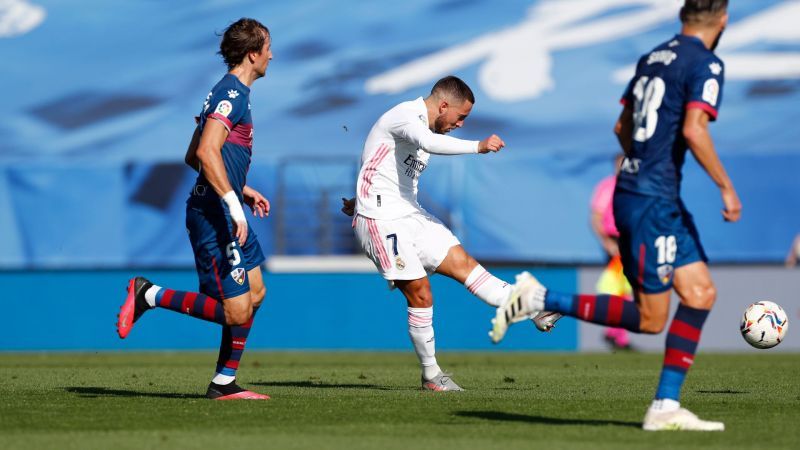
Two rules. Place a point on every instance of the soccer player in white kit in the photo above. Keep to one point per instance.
(405, 242)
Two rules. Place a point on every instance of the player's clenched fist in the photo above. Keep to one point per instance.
(491, 144)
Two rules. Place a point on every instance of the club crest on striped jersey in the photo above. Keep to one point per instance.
(238, 275)
(665, 272)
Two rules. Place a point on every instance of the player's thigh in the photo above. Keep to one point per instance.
(457, 264)
(389, 244)
(694, 285)
(220, 262)
(254, 257)
(417, 292)
(258, 289)
(434, 242)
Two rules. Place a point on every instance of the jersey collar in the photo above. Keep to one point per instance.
(690, 40)
(239, 84)
(422, 110)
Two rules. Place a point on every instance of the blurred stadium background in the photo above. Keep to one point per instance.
(100, 101)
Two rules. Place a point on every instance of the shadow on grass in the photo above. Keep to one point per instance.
(511, 417)
(95, 392)
(321, 385)
(720, 391)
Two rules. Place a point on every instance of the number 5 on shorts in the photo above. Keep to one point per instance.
(233, 254)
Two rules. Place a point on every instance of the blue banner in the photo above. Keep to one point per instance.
(100, 100)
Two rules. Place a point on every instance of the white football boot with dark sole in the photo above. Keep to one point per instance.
(525, 301)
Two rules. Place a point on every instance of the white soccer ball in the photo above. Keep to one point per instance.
(764, 324)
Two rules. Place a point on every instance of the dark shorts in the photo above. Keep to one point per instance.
(656, 236)
(222, 264)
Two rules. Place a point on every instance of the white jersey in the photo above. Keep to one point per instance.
(395, 154)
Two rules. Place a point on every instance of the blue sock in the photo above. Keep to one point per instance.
(681, 345)
(603, 309)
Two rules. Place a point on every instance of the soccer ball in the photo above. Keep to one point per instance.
(764, 324)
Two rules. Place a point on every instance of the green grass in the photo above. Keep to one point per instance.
(373, 401)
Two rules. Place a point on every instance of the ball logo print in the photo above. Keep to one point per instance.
(764, 324)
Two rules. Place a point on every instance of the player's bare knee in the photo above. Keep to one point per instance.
(236, 316)
(702, 297)
(257, 295)
(422, 300)
(239, 318)
(421, 297)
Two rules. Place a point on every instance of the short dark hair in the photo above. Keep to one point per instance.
(240, 38)
(699, 11)
(453, 87)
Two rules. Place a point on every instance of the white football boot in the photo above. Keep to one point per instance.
(443, 382)
(526, 300)
(679, 419)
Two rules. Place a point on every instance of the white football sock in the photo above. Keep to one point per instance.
(665, 405)
(150, 295)
(487, 287)
(420, 328)
(223, 379)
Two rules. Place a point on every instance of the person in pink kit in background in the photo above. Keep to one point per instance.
(612, 281)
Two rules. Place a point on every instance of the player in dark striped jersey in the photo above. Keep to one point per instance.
(675, 93)
(227, 254)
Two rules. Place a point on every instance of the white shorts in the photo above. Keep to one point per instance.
(407, 248)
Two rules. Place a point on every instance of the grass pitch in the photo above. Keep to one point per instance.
(373, 401)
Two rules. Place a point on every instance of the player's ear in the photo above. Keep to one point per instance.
(443, 105)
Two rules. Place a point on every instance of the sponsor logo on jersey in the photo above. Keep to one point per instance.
(238, 275)
(224, 107)
(711, 91)
(715, 68)
(662, 56)
(630, 165)
(665, 273)
(233, 93)
(674, 43)
(414, 167)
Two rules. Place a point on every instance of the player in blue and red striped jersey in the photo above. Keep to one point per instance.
(227, 253)
(668, 104)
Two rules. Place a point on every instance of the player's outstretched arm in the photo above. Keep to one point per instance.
(695, 130)
(794, 251)
(349, 206)
(491, 144)
(209, 153)
(439, 144)
(624, 129)
(257, 202)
